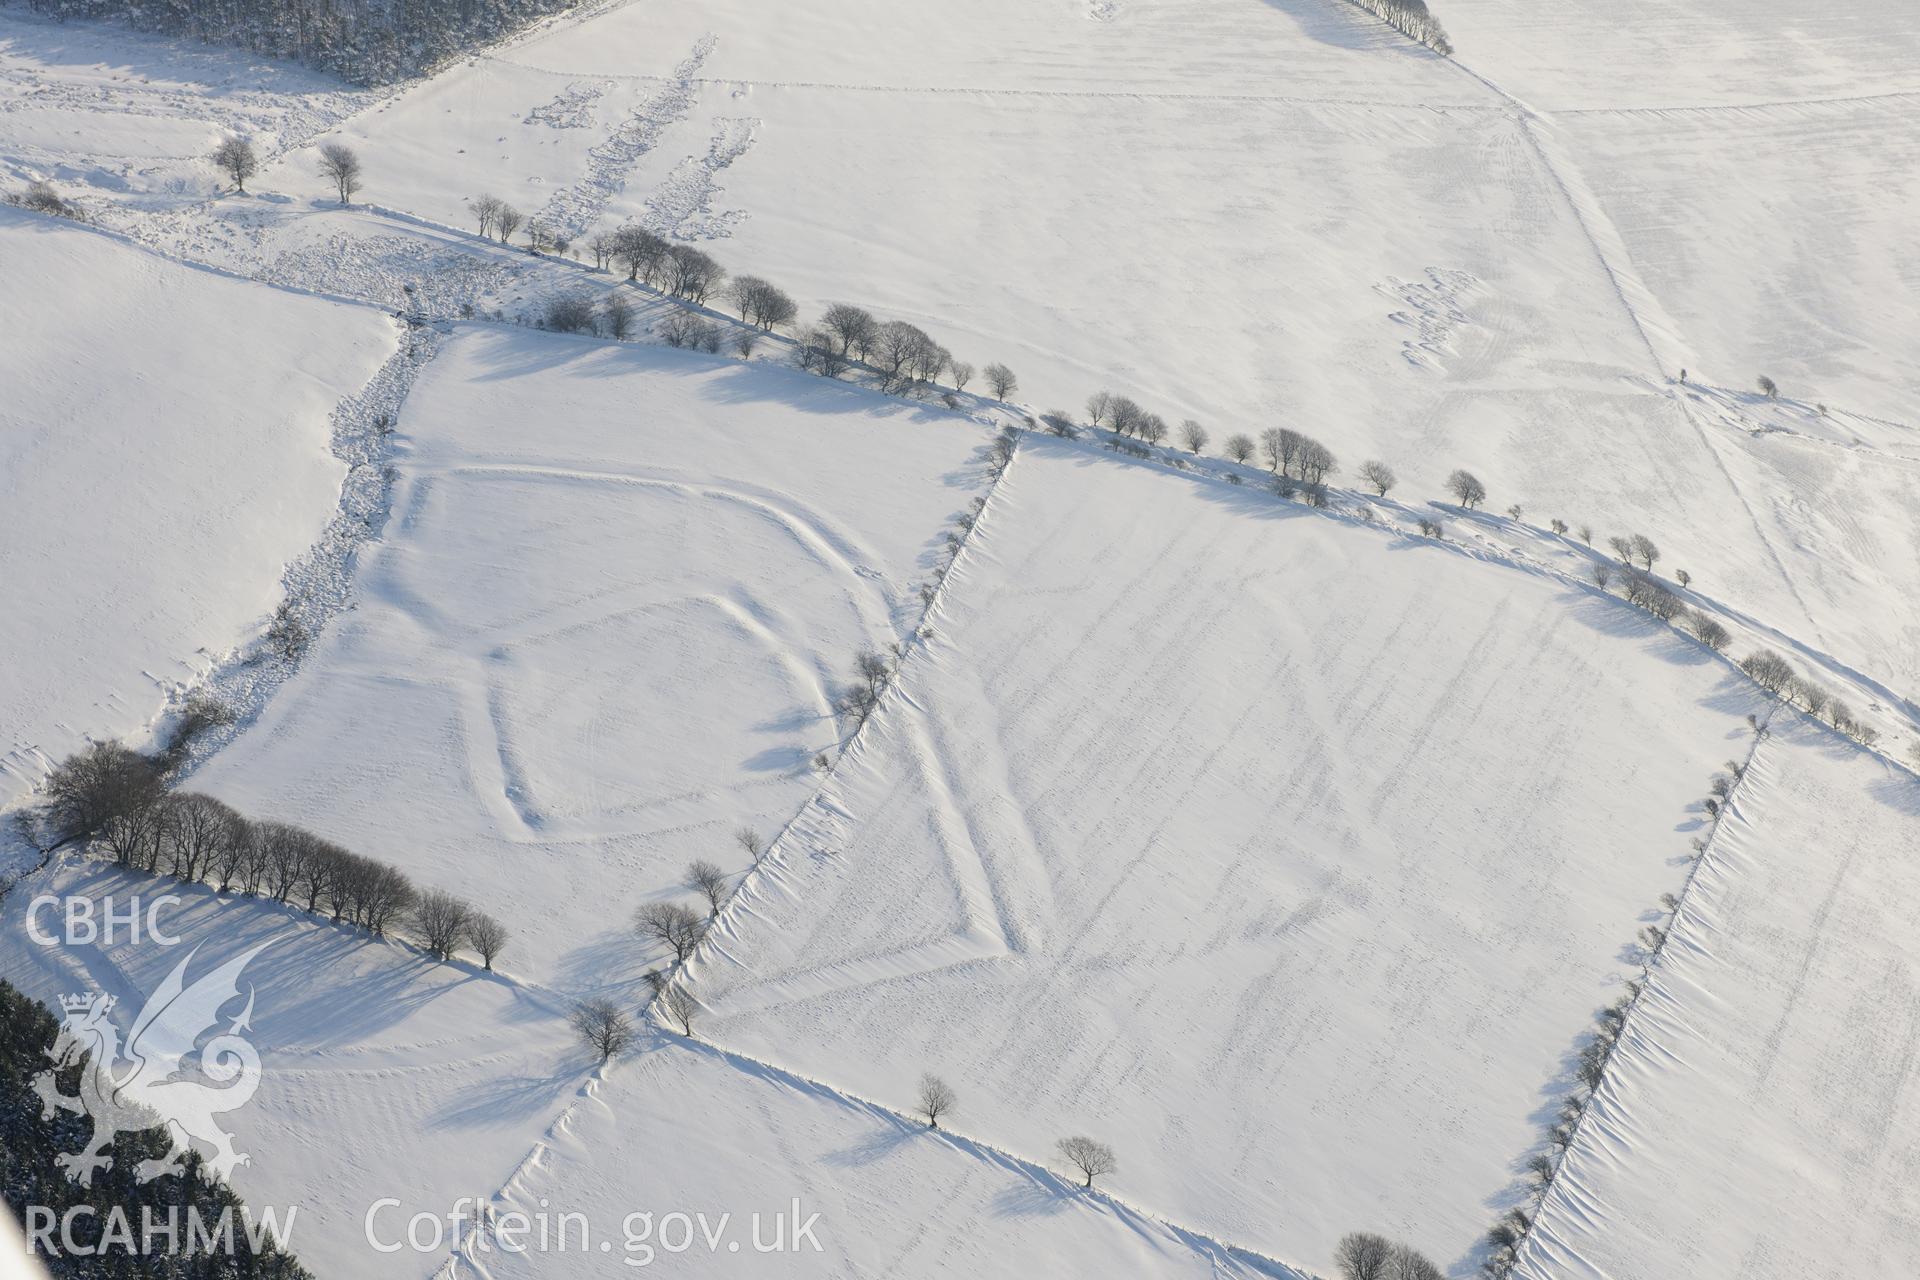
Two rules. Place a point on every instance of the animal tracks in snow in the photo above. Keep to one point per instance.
(574, 210)
(683, 206)
(572, 109)
(1433, 308)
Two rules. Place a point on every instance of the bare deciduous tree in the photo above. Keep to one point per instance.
(692, 274)
(1000, 381)
(90, 787)
(1276, 444)
(340, 165)
(234, 859)
(671, 925)
(487, 936)
(1193, 435)
(1092, 1159)
(1378, 475)
(486, 211)
(961, 373)
(856, 704)
(1124, 416)
(690, 329)
(1768, 670)
(818, 351)
(507, 220)
(1651, 596)
(1644, 551)
(641, 252)
(603, 1026)
(1099, 408)
(1413, 19)
(1768, 388)
(1405, 1263)
(936, 1099)
(679, 1006)
(1362, 1255)
(439, 921)
(1466, 489)
(1239, 447)
(569, 313)
(852, 328)
(237, 157)
(750, 841)
(1840, 716)
(761, 303)
(710, 881)
(1315, 462)
(196, 830)
(873, 667)
(1808, 694)
(904, 355)
(616, 315)
(1707, 631)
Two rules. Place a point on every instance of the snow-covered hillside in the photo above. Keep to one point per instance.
(1307, 223)
(367, 1050)
(1762, 1118)
(602, 633)
(163, 454)
(1292, 852)
(1234, 833)
(705, 1132)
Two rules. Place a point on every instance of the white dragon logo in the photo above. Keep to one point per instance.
(148, 1092)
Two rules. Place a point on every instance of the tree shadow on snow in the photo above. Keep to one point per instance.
(890, 1134)
(787, 759)
(1347, 26)
(614, 950)
(509, 1099)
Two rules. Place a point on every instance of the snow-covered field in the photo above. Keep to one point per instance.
(1763, 1118)
(1233, 834)
(1302, 222)
(1287, 852)
(367, 1050)
(602, 632)
(736, 1146)
(163, 454)
(1563, 55)
(136, 115)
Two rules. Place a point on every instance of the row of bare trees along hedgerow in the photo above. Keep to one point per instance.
(114, 802)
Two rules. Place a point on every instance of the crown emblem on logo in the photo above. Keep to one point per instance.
(126, 1088)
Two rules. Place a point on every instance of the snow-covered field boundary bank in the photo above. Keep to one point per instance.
(1508, 1239)
(1496, 540)
(319, 586)
(550, 276)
